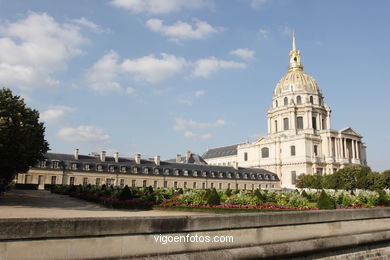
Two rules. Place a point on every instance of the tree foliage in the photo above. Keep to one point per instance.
(22, 136)
(349, 178)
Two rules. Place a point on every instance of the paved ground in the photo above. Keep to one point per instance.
(43, 204)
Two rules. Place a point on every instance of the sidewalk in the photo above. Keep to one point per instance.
(43, 204)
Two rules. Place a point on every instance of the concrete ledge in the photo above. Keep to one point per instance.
(285, 250)
(89, 227)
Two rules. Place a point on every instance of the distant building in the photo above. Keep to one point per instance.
(300, 139)
(190, 171)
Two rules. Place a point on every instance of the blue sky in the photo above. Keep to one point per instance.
(161, 77)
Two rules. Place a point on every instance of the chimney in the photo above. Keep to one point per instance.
(76, 154)
(188, 154)
(235, 165)
(157, 160)
(116, 157)
(138, 158)
(178, 158)
(103, 156)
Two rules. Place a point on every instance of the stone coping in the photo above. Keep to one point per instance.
(33, 228)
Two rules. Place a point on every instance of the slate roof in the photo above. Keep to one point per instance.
(221, 152)
(194, 158)
(67, 162)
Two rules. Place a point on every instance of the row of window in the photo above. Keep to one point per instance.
(174, 172)
(193, 185)
(298, 101)
(299, 123)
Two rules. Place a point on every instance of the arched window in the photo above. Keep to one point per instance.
(311, 100)
(299, 100)
(245, 156)
(285, 124)
(299, 122)
(285, 101)
(276, 126)
(276, 103)
(264, 152)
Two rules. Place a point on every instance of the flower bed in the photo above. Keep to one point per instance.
(223, 200)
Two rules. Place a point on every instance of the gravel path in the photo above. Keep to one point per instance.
(43, 204)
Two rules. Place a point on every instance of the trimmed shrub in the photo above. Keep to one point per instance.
(213, 198)
(382, 198)
(125, 194)
(324, 201)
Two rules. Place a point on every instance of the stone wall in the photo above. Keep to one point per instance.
(256, 235)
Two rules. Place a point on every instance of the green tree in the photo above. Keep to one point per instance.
(22, 136)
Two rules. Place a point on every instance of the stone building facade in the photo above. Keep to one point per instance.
(300, 139)
(190, 171)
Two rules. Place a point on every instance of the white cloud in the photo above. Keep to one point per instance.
(207, 66)
(264, 33)
(84, 133)
(285, 30)
(35, 48)
(102, 76)
(55, 113)
(105, 74)
(160, 6)
(181, 30)
(189, 134)
(131, 91)
(189, 124)
(152, 69)
(258, 3)
(89, 24)
(244, 54)
(189, 99)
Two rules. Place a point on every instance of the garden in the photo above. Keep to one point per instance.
(224, 201)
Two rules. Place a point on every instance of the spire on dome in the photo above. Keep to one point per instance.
(295, 57)
(293, 42)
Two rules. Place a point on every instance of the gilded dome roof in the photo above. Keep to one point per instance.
(297, 81)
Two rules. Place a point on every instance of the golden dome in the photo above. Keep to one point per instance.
(296, 80)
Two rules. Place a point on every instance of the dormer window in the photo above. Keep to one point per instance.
(156, 171)
(146, 170)
(42, 164)
(74, 166)
(166, 171)
(123, 169)
(112, 168)
(55, 164)
(204, 174)
(135, 170)
(176, 172)
(185, 173)
(100, 168)
(221, 175)
(87, 167)
(195, 173)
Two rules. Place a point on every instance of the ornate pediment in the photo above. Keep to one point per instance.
(350, 131)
